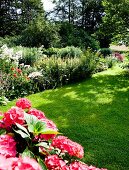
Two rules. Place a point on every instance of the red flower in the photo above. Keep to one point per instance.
(66, 145)
(23, 103)
(53, 162)
(49, 125)
(7, 146)
(39, 114)
(13, 116)
(23, 164)
(18, 70)
(12, 68)
(15, 75)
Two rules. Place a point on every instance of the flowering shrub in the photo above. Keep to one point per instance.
(30, 141)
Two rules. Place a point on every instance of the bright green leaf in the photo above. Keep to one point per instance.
(27, 153)
(49, 131)
(40, 161)
(2, 131)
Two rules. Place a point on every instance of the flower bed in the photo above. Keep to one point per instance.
(30, 141)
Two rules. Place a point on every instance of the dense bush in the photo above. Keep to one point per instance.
(29, 55)
(67, 52)
(57, 71)
(29, 71)
(14, 81)
(105, 51)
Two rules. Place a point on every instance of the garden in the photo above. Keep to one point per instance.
(52, 98)
(64, 85)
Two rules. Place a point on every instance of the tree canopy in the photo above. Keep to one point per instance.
(71, 22)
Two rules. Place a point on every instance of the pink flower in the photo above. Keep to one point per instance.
(13, 116)
(82, 166)
(7, 146)
(25, 163)
(39, 114)
(1, 120)
(53, 162)
(49, 125)
(66, 145)
(23, 103)
(3, 163)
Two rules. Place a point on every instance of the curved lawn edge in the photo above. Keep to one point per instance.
(93, 113)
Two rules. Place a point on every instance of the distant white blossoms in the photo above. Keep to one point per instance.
(9, 54)
(35, 74)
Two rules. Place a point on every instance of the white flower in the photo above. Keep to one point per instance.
(35, 74)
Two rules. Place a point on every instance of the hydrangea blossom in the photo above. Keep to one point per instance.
(7, 146)
(39, 114)
(23, 103)
(66, 145)
(13, 116)
(25, 163)
(53, 162)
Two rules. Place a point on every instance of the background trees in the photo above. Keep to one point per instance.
(72, 22)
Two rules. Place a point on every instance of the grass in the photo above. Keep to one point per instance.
(94, 113)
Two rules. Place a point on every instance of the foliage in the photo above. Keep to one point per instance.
(67, 52)
(40, 32)
(27, 134)
(115, 22)
(83, 13)
(70, 52)
(57, 71)
(16, 15)
(105, 51)
(29, 55)
(75, 36)
(14, 81)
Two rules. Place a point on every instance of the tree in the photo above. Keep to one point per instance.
(40, 32)
(17, 14)
(83, 13)
(115, 21)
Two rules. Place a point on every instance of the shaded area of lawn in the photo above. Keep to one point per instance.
(94, 113)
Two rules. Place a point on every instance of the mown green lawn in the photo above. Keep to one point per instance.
(94, 113)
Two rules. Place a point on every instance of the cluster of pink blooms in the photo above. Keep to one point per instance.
(10, 159)
(14, 163)
(53, 162)
(66, 145)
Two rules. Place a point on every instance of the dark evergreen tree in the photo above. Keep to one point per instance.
(17, 14)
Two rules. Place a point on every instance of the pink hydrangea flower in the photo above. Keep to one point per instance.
(39, 114)
(25, 163)
(77, 165)
(13, 116)
(53, 162)
(3, 163)
(7, 146)
(66, 145)
(23, 103)
(50, 125)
